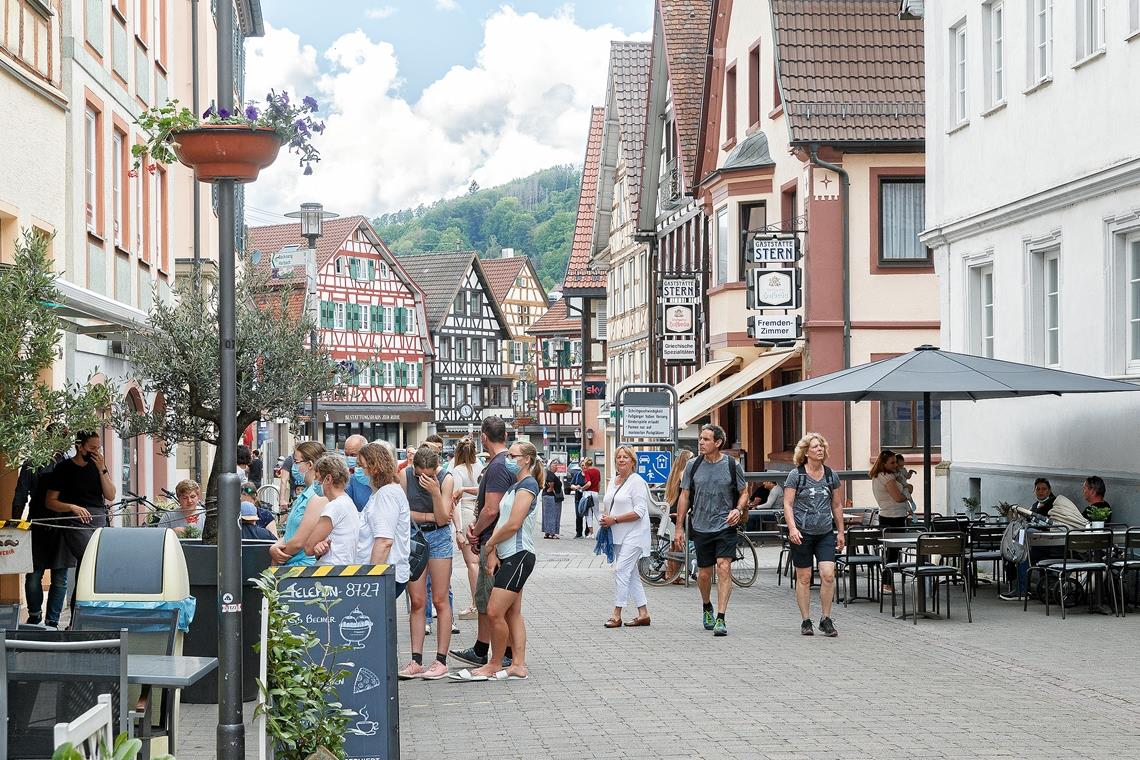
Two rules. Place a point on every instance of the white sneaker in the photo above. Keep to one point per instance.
(435, 671)
(427, 630)
(411, 670)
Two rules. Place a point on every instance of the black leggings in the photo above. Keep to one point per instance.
(892, 554)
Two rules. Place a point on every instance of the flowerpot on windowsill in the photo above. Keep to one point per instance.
(221, 151)
(558, 407)
(1096, 523)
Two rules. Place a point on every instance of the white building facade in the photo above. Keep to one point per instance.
(1033, 211)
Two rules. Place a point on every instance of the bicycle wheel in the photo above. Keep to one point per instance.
(744, 568)
(655, 569)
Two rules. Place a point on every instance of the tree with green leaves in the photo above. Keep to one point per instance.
(277, 371)
(37, 420)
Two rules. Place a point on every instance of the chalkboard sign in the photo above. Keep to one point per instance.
(364, 618)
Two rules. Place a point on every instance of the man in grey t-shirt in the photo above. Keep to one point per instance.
(714, 485)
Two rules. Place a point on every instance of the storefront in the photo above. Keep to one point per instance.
(400, 428)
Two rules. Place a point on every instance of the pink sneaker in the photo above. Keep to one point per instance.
(411, 670)
(435, 671)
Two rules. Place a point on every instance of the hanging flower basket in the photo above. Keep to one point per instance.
(558, 407)
(220, 151)
(523, 420)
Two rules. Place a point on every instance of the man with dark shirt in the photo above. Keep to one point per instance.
(31, 490)
(81, 487)
(256, 468)
(496, 479)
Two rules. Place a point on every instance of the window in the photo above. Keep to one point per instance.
(902, 215)
(754, 85)
(385, 271)
(387, 324)
(158, 32)
(1039, 50)
(791, 413)
(730, 103)
(901, 424)
(777, 100)
(158, 209)
(92, 180)
(476, 350)
(338, 266)
(443, 345)
(139, 14)
(1132, 275)
(1090, 27)
(444, 396)
(460, 305)
(1051, 306)
(389, 375)
(138, 216)
(410, 323)
(461, 349)
(1133, 16)
(960, 102)
(338, 316)
(753, 216)
(995, 53)
(516, 352)
(722, 246)
(982, 310)
(119, 178)
(476, 303)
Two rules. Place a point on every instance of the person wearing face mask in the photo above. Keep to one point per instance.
(338, 526)
(359, 488)
(290, 550)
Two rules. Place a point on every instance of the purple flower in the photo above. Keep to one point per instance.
(308, 170)
(319, 127)
(251, 113)
(302, 127)
(311, 103)
(223, 113)
(208, 112)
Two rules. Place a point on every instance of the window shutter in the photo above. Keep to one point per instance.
(400, 319)
(600, 325)
(371, 269)
(326, 314)
(353, 268)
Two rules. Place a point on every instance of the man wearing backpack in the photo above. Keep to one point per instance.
(813, 510)
(714, 485)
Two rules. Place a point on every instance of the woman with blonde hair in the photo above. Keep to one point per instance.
(813, 510)
(385, 522)
(510, 560)
(466, 468)
(625, 511)
(672, 496)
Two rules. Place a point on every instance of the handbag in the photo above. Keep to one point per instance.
(417, 554)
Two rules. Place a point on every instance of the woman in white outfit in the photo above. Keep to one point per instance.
(626, 513)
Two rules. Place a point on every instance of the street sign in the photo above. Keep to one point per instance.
(654, 466)
(289, 258)
(774, 327)
(654, 422)
(679, 304)
(774, 288)
(678, 349)
(772, 249)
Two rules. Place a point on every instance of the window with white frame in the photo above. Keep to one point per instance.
(1040, 37)
(389, 374)
(411, 321)
(995, 52)
(1090, 27)
(338, 265)
(338, 316)
(722, 246)
(1133, 16)
(982, 310)
(959, 93)
(1051, 303)
(117, 154)
(516, 352)
(91, 162)
(1132, 278)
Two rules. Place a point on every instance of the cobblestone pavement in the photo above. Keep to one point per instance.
(1011, 684)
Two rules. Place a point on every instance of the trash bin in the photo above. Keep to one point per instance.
(133, 568)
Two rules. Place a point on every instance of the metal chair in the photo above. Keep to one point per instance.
(1088, 543)
(948, 546)
(1129, 562)
(152, 632)
(895, 559)
(985, 546)
(862, 551)
(9, 617)
(47, 677)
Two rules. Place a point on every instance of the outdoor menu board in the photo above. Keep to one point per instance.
(363, 617)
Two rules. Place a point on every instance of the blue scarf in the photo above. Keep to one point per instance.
(605, 544)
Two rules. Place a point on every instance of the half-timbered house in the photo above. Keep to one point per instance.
(467, 330)
(373, 323)
(559, 379)
(518, 291)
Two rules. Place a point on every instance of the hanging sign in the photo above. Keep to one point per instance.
(771, 328)
(680, 300)
(772, 249)
(774, 288)
(15, 547)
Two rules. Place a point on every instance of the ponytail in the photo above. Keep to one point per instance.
(537, 470)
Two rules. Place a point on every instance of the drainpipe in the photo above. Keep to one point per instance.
(845, 191)
(197, 274)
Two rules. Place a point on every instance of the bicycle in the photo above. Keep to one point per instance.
(663, 564)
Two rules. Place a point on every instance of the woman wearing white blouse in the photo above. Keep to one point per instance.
(626, 514)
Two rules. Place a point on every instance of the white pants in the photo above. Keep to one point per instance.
(628, 590)
(594, 502)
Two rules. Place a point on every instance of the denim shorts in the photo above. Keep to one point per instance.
(440, 543)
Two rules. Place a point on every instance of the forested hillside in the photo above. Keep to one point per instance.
(534, 215)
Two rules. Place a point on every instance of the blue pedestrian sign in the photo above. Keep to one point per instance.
(654, 466)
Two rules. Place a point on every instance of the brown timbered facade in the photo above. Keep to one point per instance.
(559, 376)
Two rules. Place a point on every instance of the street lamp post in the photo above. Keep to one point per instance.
(312, 216)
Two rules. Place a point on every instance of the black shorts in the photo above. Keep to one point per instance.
(820, 546)
(514, 570)
(710, 546)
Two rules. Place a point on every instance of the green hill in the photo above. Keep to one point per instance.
(534, 215)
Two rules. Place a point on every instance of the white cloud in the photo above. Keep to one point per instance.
(383, 11)
(523, 106)
(446, 5)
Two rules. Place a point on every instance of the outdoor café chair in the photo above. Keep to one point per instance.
(50, 677)
(902, 558)
(9, 617)
(948, 547)
(1129, 562)
(862, 551)
(1082, 549)
(152, 632)
(985, 546)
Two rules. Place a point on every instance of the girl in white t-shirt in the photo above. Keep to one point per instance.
(466, 470)
(336, 530)
(385, 522)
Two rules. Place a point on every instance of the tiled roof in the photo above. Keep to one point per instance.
(850, 71)
(629, 74)
(271, 239)
(686, 25)
(556, 321)
(439, 276)
(578, 274)
(502, 273)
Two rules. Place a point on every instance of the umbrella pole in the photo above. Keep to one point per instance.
(927, 486)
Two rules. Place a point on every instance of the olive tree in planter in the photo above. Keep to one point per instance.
(277, 369)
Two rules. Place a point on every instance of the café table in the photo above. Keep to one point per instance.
(910, 541)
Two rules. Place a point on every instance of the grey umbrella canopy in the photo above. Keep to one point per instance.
(930, 374)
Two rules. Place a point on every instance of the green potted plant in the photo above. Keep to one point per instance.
(559, 404)
(973, 506)
(125, 748)
(303, 718)
(229, 145)
(1097, 515)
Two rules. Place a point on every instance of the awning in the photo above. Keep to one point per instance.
(95, 314)
(698, 380)
(732, 386)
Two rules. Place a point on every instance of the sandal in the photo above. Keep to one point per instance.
(638, 621)
(613, 623)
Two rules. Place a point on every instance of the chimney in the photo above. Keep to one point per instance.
(508, 253)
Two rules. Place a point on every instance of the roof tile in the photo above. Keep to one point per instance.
(556, 321)
(502, 273)
(578, 273)
(686, 27)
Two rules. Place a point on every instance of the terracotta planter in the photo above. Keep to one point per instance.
(523, 421)
(558, 407)
(227, 152)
